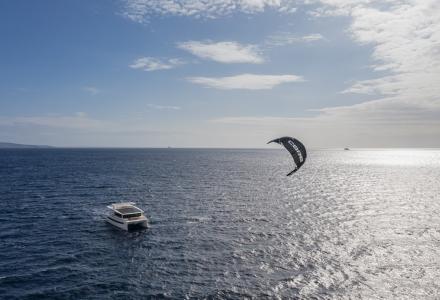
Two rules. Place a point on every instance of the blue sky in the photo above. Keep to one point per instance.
(221, 73)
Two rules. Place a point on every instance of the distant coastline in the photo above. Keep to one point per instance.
(4, 145)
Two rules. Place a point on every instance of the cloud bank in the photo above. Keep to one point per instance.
(78, 121)
(245, 81)
(141, 10)
(163, 107)
(405, 36)
(405, 39)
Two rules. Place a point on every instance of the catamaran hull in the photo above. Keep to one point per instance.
(127, 226)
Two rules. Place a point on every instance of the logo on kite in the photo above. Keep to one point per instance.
(295, 148)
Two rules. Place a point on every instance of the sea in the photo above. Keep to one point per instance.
(223, 224)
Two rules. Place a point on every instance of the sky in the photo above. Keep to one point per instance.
(220, 73)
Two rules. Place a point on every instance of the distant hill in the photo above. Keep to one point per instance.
(20, 146)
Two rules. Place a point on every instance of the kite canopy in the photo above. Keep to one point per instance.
(295, 148)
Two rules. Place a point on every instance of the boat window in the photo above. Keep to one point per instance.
(118, 215)
(132, 215)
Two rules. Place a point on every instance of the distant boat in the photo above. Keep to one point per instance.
(126, 216)
(346, 148)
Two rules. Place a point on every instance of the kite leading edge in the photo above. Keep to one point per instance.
(295, 148)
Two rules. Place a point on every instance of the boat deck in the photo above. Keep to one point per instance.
(128, 210)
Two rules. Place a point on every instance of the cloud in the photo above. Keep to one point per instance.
(245, 81)
(78, 129)
(142, 10)
(163, 107)
(358, 126)
(154, 64)
(224, 52)
(91, 90)
(76, 121)
(287, 38)
(81, 114)
(405, 38)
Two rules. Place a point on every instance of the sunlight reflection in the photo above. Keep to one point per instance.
(394, 157)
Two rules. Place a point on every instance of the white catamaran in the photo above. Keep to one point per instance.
(126, 216)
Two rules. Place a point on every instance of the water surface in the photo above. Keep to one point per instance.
(225, 224)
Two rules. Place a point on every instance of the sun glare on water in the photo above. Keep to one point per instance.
(395, 157)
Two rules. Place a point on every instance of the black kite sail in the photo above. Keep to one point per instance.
(296, 149)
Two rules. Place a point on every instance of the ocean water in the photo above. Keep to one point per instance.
(224, 224)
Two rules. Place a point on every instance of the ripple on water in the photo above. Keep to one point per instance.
(225, 224)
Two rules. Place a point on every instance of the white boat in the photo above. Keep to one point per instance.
(126, 216)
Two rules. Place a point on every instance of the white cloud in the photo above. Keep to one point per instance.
(163, 107)
(245, 81)
(91, 90)
(141, 10)
(81, 114)
(155, 64)
(355, 127)
(81, 130)
(77, 121)
(405, 37)
(224, 52)
(287, 38)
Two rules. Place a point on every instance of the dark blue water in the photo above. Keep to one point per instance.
(225, 224)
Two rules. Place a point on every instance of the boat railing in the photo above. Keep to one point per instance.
(141, 217)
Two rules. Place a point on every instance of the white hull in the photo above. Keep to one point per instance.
(127, 225)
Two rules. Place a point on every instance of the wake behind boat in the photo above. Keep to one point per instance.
(126, 216)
